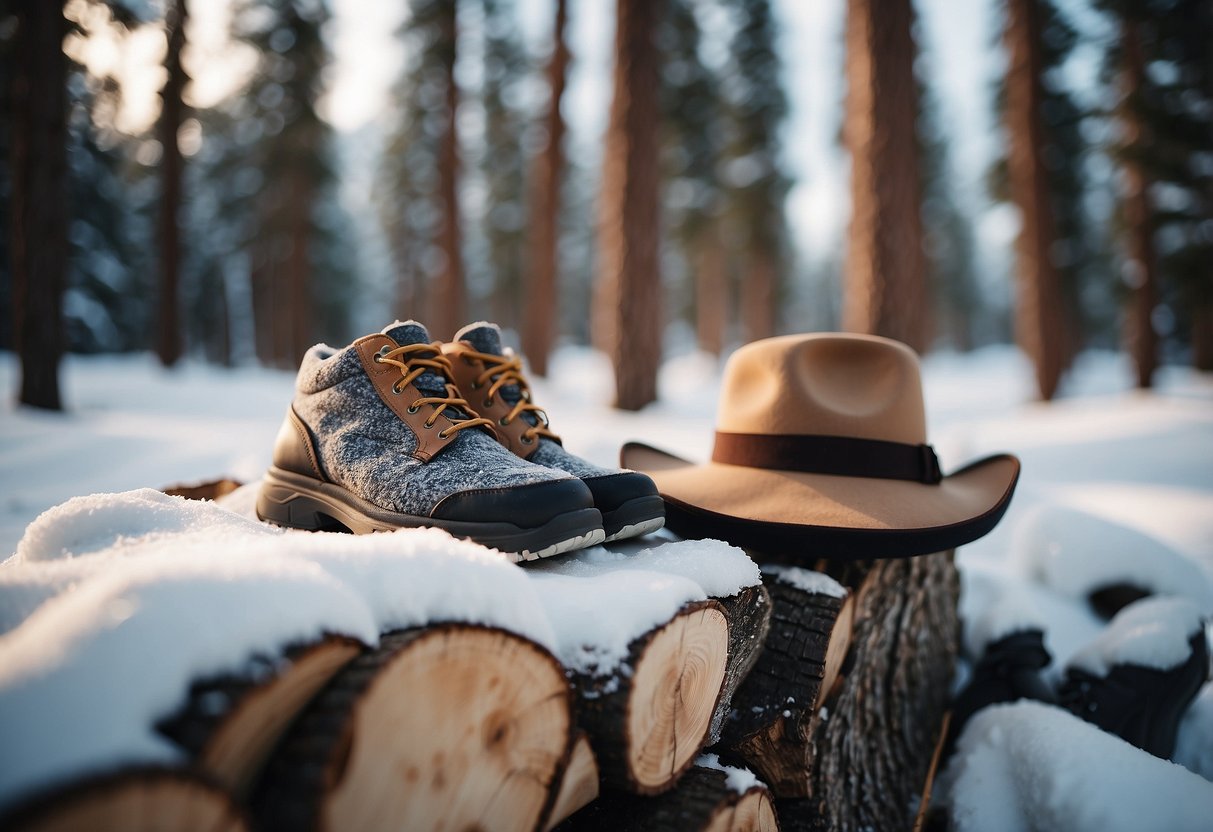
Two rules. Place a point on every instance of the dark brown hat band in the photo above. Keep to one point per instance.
(843, 456)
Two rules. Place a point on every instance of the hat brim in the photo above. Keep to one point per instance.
(823, 515)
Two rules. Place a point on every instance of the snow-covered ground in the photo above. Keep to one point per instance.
(1116, 485)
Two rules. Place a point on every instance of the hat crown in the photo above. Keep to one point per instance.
(832, 384)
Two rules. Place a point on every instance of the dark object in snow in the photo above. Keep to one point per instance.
(377, 438)
(210, 490)
(229, 725)
(1111, 599)
(821, 448)
(703, 800)
(1008, 670)
(440, 727)
(649, 718)
(133, 799)
(495, 388)
(1141, 705)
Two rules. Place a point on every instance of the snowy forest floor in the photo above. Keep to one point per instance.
(1142, 460)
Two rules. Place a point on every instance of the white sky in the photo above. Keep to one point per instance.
(958, 42)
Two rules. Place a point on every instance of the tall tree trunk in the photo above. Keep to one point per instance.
(38, 207)
(539, 328)
(711, 291)
(1039, 310)
(758, 295)
(298, 266)
(628, 290)
(886, 287)
(172, 113)
(1141, 339)
(449, 296)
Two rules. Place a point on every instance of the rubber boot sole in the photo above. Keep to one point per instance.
(638, 516)
(299, 502)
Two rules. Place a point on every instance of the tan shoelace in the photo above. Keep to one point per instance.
(504, 371)
(419, 359)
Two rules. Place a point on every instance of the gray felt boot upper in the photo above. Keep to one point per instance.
(365, 447)
(486, 337)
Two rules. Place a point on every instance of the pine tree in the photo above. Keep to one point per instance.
(693, 111)
(542, 304)
(38, 201)
(886, 289)
(172, 113)
(627, 292)
(292, 153)
(501, 162)
(755, 181)
(1039, 321)
(449, 297)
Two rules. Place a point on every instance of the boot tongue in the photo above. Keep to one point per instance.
(405, 333)
(486, 337)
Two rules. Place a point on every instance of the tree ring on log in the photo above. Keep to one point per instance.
(133, 800)
(675, 687)
(578, 782)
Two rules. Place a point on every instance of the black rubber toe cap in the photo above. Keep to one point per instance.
(613, 490)
(525, 506)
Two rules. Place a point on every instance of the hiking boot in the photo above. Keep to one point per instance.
(491, 378)
(1008, 670)
(1142, 705)
(377, 438)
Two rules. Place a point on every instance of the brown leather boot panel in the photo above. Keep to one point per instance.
(293, 449)
(384, 376)
(465, 371)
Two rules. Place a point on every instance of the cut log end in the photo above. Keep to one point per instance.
(578, 783)
(139, 800)
(451, 727)
(675, 686)
(753, 812)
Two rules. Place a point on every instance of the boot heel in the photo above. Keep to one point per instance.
(283, 506)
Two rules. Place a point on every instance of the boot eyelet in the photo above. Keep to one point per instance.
(476, 385)
(384, 350)
(504, 422)
(488, 402)
(396, 390)
(413, 408)
(428, 424)
(527, 441)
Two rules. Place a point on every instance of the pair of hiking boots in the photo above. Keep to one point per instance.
(396, 431)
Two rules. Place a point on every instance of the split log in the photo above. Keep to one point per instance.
(451, 726)
(578, 784)
(649, 719)
(230, 724)
(872, 739)
(776, 711)
(749, 616)
(703, 801)
(133, 800)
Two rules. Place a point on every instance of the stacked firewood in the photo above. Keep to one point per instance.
(819, 695)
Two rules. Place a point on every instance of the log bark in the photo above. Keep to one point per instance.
(703, 801)
(451, 726)
(578, 783)
(133, 800)
(229, 725)
(649, 719)
(749, 616)
(775, 714)
(875, 737)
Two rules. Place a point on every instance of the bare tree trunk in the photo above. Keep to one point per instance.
(1038, 321)
(539, 330)
(38, 207)
(298, 317)
(628, 290)
(171, 115)
(758, 295)
(1202, 336)
(1141, 340)
(711, 292)
(886, 287)
(449, 296)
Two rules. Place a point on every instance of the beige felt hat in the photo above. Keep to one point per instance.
(821, 448)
